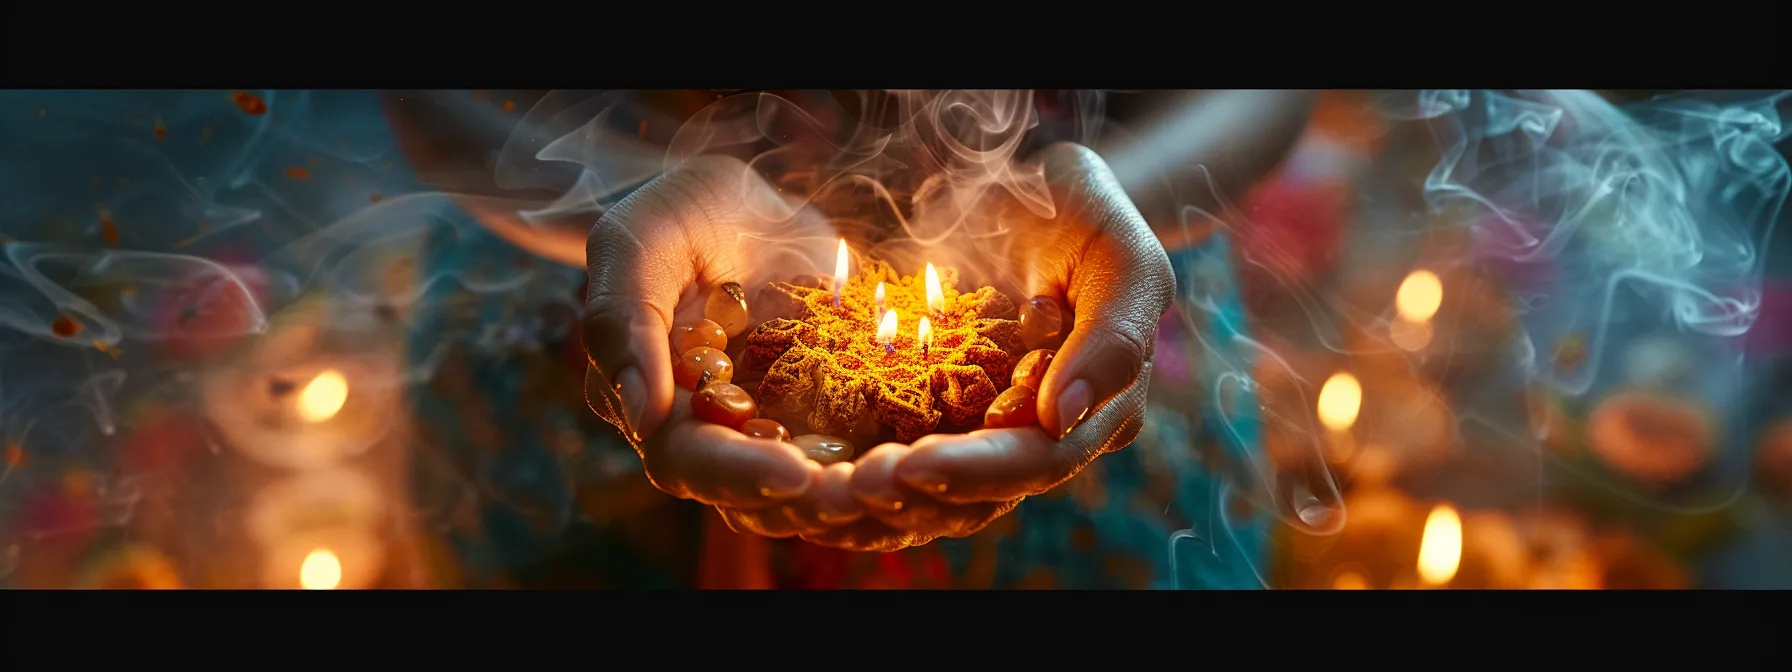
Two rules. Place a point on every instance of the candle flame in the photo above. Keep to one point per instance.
(840, 263)
(1339, 401)
(320, 571)
(323, 397)
(924, 334)
(1440, 551)
(936, 299)
(1419, 296)
(886, 330)
(880, 297)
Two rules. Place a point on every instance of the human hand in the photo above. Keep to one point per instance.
(1096, 255)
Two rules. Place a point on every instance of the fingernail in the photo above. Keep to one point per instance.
(1073, 404)
(777, 489)
(633, 392)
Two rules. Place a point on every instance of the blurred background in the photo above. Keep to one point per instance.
(327, 339)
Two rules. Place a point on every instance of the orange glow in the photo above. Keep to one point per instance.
(1339, 401)
(1440, 551)
(1350, 581)
(320, 571)
(886, 330)
(840, 265)
(1410, 336)
(936, 299)
(1419, 296)
(924, 334)
(323, 397)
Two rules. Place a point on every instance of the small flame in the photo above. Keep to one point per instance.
(1419, 296)
(1339, 401)
(924, 334)
(323, 397)
(1350, 581)
(1440, 551)
(320, 571)
(840, 263)
(936, 299)
(886, 330)
(880, 298)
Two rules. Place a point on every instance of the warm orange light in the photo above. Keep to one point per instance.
(924, 334)
(320, 571)
(840, 263)
(1410, 336)
(880, 299)
(323, 397)
(1339, 401)
(936, 299)
(886, 330)
(1419, 296)
(1350, 581)
(1440, 551)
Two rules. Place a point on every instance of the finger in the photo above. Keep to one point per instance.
(776, 522)
(1117, 282)
(874, 479)
(719, 466)
(995, 465)
(642, 254)
(867, 535)
(829, 502)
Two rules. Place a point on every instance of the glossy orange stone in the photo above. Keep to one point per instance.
(691, 366)
(824, 449)
(727, 306)
(724, 404)
(765, 428)
(703, 334)
(1042, 323)
(1016, 407)
(1030, 372)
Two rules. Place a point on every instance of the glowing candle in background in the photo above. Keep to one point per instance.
(1415, 303)
(1339, 401)
(880, 299)
(1440, 550)
(936, 299)
(323, 397)
(840, 264)
(322, 570)
(886, 332)
(924, 334)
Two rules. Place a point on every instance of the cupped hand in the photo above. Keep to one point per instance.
(682, 231)
(1098, 256)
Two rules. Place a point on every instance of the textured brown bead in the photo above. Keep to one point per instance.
(1042, 323)
(764, 428)
(703, 334)
(1030, 372)
(1017, 407)
(823, 448)
(724, 404)
(691, 366)
(727, 306)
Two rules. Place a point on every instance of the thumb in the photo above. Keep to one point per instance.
(1118, 285)
(641, 256)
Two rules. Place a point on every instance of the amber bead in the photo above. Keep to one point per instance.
(1030, 372)
(724, 404)
(1042, 323)
(823, 448)
(764, 428)
(703, 334)
(691, 366)
(1016, 407)
(727, 306)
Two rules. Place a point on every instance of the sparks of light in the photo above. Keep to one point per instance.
(1440, 551)
(841, 261)
(1419, 296)
(923, 333)
(1339, 401)
(886, 329)
(936, 298)
(320, 571)
(323, 397)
